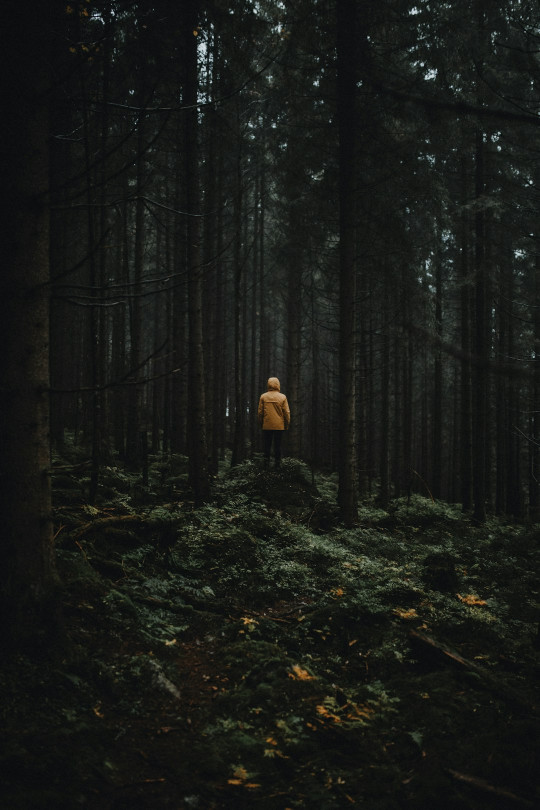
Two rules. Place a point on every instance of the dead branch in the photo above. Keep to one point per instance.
(484, 786)
(485, 679)
(106, 522)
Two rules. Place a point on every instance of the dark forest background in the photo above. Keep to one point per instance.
(197, 195)
(343, 194)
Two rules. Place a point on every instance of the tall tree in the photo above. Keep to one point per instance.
(347, 44)
(196, 418)
(27, 571)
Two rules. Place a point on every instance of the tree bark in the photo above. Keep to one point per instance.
(346, 97)
(196, 417)
(133, 424)
(239, 429)
(384, 495)
(480, 388)
(465, 462)
(437, 435)
(534, 443)
(27, 569)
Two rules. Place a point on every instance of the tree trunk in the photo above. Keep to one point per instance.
(239, 430)
(27, 570)
(465, 464)
(179, 321)
(534, 443)
(481, 335)
(437, 435)
(196, 417)
(133, 426)
(384, 495)
(346, 98)
(481, 347)
(263, 345)
(294, 258)
(254, 323)
(218, 356)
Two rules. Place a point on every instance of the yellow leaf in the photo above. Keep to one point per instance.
(471, 599)
(362, 711)
(324, 712)
(337, 592)
(240, 776)
(406, 614)
(249, 622)
(97, 711)
(299, 674)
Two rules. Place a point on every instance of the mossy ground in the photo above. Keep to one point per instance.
(253, 652)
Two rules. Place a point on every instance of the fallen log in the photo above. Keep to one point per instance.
(494, 683)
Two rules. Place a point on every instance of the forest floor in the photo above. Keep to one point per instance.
(255, 653)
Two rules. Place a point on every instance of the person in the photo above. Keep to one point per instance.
(274, 417)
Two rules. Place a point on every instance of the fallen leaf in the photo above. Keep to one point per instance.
(299, 674)
(239, 778)
(328, 715)
(471, 599)
(249, 622)
(406, 614)
(97, 711)
(363, 711)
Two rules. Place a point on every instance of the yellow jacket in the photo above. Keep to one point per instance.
(274, 413)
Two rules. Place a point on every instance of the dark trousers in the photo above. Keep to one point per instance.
(274, 436)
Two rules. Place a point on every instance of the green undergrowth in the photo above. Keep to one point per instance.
(254, 652)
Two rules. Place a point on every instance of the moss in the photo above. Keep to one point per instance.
(288, 642)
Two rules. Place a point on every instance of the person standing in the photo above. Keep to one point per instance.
(274, 417)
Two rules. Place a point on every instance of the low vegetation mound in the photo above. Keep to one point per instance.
(253, 652)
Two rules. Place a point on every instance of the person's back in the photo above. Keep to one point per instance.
(274, 417)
